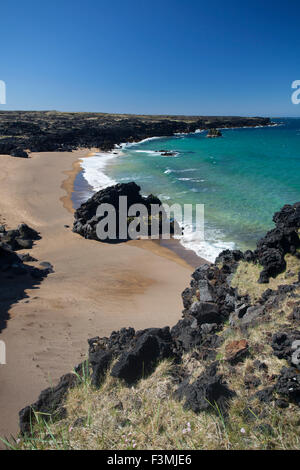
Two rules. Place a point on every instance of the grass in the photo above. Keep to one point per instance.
(146, 416)
(247, 274)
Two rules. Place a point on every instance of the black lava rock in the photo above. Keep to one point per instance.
(49, 403)
(153, 345)
(209, 391)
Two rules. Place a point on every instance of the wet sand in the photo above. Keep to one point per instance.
(95, 287)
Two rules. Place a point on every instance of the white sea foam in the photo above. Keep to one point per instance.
(170, 170)
(93, 170)
(149, 152)
(209, 248)
(132, 144)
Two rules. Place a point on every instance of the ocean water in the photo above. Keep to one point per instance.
(241, 178)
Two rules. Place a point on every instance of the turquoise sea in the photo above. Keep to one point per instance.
(241, 178)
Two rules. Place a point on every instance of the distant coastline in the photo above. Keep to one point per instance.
(92, 177)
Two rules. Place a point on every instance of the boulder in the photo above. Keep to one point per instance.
(205, 312)
(155, 344)
(214, 133)
(86, 218)
(235, 351)
(19, 152)
(208, 392)
(246, 315)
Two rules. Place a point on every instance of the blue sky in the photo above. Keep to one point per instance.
(163, 57)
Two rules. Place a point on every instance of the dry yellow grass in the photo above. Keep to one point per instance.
(147, 416)
(247, 274)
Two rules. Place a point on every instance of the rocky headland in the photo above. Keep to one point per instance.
(232, 359)
(48, 131)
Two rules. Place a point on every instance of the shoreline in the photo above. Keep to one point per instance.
(95, 288)
(171, 249)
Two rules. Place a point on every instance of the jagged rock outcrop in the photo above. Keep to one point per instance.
(207, 392)
(16, 276)
(87, 218)
(152, 345)
(49, 403)
(18, 239)
(284, 238)
(213, 311)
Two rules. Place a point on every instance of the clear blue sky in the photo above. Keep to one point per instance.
(159, 56)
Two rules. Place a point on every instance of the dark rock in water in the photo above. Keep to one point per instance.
(207, 392)
(49, 403)
(214, 133)
(19, 152)
(87, 220)
(155, 344)
(168, 154)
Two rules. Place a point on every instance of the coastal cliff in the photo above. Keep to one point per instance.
(225, 376)
(47, 131)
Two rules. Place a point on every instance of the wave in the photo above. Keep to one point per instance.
(209, 248)
(124, 145)
(170, 170)
(93, 170)
(149, 152)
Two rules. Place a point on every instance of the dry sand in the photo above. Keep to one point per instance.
(96, 288)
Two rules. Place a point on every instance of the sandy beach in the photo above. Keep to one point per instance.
(95, 287)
